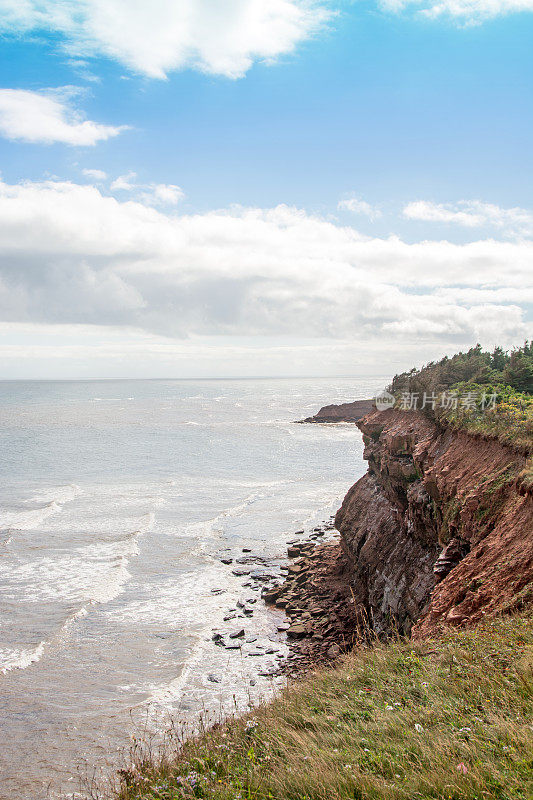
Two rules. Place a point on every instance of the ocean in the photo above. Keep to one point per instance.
(118, 500)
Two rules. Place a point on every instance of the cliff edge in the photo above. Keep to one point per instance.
(344, 412)
(440, 529)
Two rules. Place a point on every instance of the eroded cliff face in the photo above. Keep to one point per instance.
(440, 529)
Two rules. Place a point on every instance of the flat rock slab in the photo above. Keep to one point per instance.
(297, 631)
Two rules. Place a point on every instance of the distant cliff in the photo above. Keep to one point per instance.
(345, 412)
(440, 529)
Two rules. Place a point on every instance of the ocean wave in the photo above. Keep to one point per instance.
(173, 691)
(111, 584)
(187, 597)
(93, 573)
(54, 500)
(19, 659)
(59, 494)
(210, 527)
(146, 523)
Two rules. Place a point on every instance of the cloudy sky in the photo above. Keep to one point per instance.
(262, 187)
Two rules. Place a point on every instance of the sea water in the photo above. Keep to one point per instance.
(118, 500)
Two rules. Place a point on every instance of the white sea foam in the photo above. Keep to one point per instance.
(94, 573)
(187, 598)
(172, 692)
(147, 521)
(28, 520)
(53, 499)
(59, 494)
(19, 659)
(212, 527)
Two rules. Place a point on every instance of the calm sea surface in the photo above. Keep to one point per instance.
(118, 500)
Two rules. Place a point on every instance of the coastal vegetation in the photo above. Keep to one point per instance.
(485, 393)
(447, 719)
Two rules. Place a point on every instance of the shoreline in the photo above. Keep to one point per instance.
(307, 590)
(324, 619)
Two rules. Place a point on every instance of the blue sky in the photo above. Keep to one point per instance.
(393, 124)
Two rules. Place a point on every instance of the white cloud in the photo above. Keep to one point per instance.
(164, 35)
(473, 214)
(358, 206)
(151, 194)
(97, 175)
(163, 194)
(124, 183)
(47, 118)
(71, 255)
(469, 12)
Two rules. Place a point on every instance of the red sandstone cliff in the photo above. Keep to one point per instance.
(344, 412)
(440, 529)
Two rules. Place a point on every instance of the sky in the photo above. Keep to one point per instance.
(211, 188)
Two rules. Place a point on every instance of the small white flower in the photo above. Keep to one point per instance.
(419, 728)
(389, 708)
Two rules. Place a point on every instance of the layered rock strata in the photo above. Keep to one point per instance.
(440, 529)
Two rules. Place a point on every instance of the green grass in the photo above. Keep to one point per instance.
(449, 719)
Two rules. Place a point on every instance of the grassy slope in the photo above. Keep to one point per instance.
(446, 719)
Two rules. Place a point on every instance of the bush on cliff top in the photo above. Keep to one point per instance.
(508, 377)
(514, 369)
(447, 719)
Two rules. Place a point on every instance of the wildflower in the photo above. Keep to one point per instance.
(251, 724)
(389, 708)
(192, 778)
(419, 728)
(462, 768)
